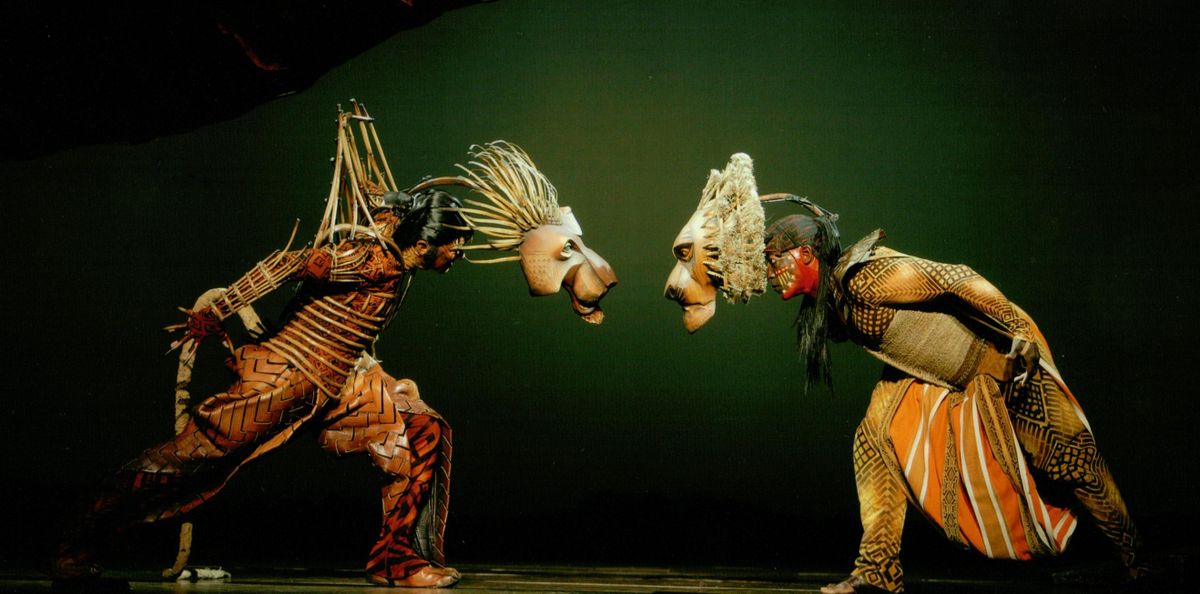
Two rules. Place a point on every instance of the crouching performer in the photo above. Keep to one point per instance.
(971, 421)
(317, 369)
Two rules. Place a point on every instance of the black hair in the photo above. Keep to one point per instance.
(816, 322)
(429, 216)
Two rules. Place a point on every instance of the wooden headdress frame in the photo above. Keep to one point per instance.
(359, 182)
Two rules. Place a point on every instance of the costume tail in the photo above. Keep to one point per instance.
(183, 405)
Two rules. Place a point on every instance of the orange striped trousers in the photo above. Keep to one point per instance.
(987, 466)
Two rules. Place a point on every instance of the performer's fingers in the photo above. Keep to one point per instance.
(1016, 347)
(185, 341)
(1032, 356)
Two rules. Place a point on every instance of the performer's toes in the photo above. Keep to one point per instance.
(74, 574)
(426, 577)
(851, 585)
(71, 570)
(451, 571)
(1139, 572)
(1159, 576)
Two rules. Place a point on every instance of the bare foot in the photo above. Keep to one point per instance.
(67, 568)
(851, 585)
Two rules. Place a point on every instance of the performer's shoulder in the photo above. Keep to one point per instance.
(863, 251)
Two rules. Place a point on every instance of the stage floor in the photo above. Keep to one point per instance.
(492, 579)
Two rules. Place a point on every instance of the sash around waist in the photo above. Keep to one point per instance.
(940, 349)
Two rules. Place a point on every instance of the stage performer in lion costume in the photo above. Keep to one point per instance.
(971, 421)
(318, 368)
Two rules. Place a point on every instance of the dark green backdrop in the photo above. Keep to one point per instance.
(1052, 149)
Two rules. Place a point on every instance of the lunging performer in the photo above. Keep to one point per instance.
(971, 422)
(318, 368)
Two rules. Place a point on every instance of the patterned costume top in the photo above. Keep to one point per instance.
(350, 293)
(966, 454)
(892, 305)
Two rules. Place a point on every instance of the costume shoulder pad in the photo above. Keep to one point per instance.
(860, 252)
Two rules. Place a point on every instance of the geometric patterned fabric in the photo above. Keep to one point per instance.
(986, 462)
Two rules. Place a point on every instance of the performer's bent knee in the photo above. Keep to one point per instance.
(1072, 459)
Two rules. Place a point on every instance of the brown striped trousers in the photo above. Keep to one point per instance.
(377, 415)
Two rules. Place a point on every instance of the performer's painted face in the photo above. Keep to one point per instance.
(794, 272)
(445, 255)
(554, 257)
(439, 258)
(690, 283)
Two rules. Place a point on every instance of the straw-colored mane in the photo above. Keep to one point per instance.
(517, 197)
(735, 222)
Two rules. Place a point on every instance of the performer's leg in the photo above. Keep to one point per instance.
(144, 490)
(406, 448)
(882, 504)
(180, 474)
(1060, 445)
(393, 557)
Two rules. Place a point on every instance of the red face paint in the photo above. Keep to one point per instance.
(795, 272)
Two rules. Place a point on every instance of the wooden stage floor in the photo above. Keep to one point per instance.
(493, 579)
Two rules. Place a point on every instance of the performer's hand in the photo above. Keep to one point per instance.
(200, 324)
(1029, 354)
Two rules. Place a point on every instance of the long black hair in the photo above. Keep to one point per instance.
(816, 322)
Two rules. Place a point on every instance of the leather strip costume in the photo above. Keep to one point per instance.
(315, 368)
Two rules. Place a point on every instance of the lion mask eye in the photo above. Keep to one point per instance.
(683, 252)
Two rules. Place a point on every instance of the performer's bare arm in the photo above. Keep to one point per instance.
(907, 280)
